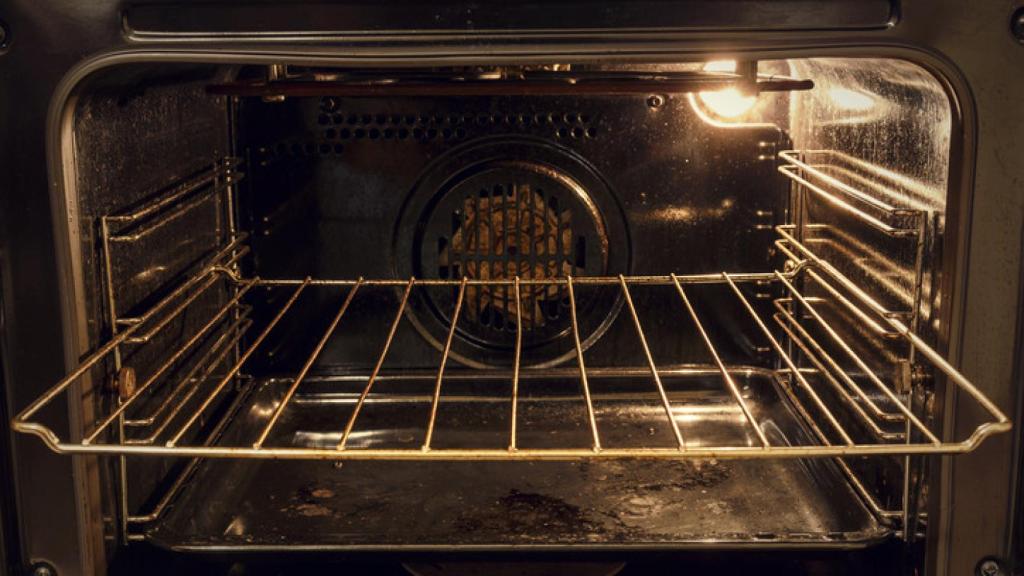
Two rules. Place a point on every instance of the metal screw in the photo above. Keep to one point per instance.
(990, 567)
(655, 100)
(125, 382)
(43, 569)
(1017, 24)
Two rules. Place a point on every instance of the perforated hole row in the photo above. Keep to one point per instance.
(341, 125)
(394, 133)
(301, 150)
(339, 129)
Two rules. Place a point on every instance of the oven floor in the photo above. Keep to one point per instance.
(469, 505)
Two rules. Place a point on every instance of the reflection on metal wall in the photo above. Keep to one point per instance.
(886, 119)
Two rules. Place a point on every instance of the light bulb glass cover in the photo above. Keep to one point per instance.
(730, 102)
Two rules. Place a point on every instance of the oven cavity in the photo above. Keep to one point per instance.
(712, 326)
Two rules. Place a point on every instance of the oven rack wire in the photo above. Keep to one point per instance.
(833, 439)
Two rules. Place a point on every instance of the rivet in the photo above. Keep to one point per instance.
(990, 567)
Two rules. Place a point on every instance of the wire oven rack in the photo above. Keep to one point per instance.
(833, 438)
(794, 328)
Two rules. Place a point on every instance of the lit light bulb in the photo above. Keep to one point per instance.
(730, 102)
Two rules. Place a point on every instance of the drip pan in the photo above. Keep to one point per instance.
(416, 506)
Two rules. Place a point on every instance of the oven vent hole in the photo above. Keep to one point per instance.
(299, 150)
(336, 124)
(509, 230)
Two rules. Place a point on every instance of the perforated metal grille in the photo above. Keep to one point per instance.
(507, 231)
(514, 220)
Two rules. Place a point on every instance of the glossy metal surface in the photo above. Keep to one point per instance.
(730, 383)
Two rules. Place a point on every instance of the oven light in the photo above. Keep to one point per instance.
(855, 100)
(728, 103)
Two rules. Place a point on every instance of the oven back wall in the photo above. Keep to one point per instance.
(499, 187)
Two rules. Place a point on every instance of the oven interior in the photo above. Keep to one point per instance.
(526, 305)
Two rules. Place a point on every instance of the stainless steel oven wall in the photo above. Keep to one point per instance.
(969, 44)
(137, 133)
(885, 125)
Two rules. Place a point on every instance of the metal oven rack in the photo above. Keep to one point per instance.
(833, 439)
